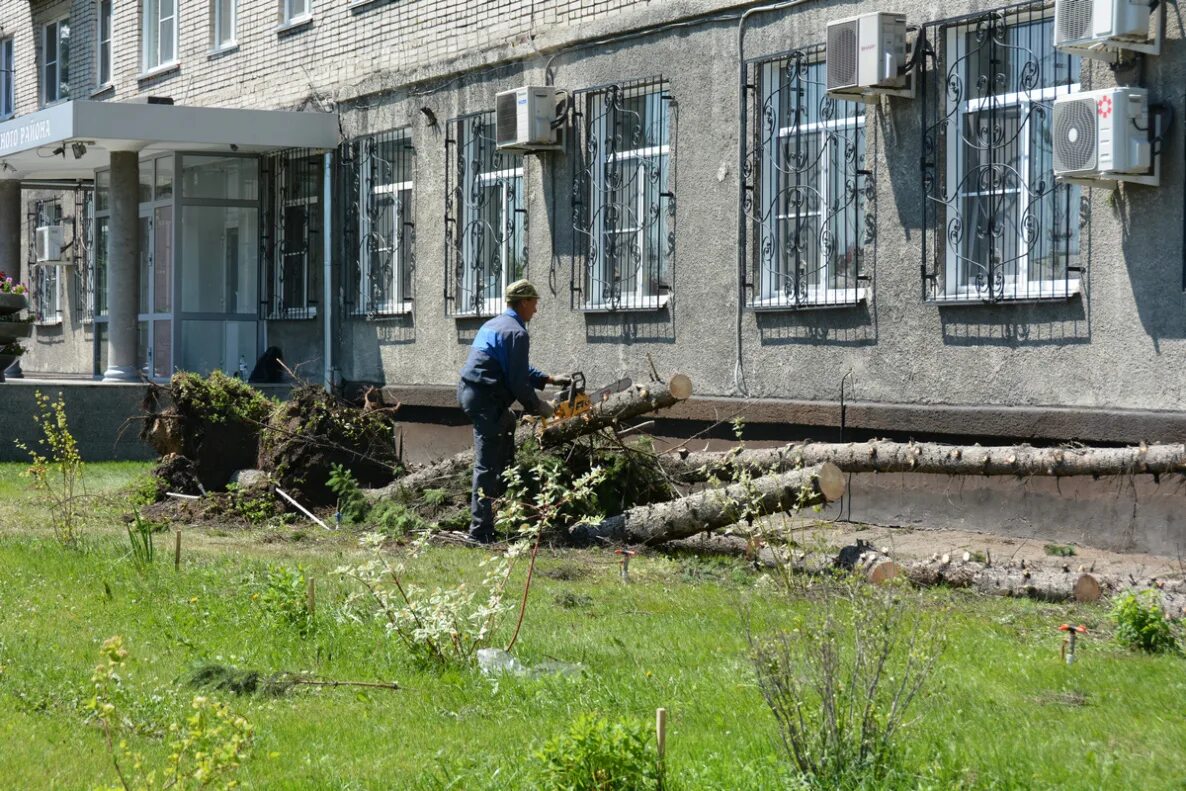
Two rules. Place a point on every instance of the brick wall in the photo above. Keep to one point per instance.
(346, 45)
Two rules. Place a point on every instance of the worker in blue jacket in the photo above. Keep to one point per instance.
(496, 374)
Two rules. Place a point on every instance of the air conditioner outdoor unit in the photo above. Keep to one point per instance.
(866, 55)
(49, 244)
(1102, 135)
(525, 119)
(1090, 27)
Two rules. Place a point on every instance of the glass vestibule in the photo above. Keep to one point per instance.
(199, 263)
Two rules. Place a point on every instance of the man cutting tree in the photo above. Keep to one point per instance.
(496, 374)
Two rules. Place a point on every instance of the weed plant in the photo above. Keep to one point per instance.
(595, 754)
(57, 469)
(1141, 623)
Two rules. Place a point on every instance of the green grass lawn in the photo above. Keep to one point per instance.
(1003, 711)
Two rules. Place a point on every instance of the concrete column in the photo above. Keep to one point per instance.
(10, 244)
(123, 269)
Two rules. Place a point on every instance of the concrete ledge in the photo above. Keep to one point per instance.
(790, 420)
(101, 417)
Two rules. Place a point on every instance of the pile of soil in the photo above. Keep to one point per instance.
(313, 431)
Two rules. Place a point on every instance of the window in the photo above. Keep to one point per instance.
(55, 62)
(97, 227)
(46, 284)
(293, 12)
(103, 47)
(807, 189)
(485, 218)
(7, 80)
(224, 14)
(625, 207)
(379, 227)
(290, 232)
(159, 34)
(999, 226)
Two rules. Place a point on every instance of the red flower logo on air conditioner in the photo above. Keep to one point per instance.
(1104, 106)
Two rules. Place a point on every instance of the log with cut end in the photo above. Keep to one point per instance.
(930, 457)
(715, 508)
(616, 409)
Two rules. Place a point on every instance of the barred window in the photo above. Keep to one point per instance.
(85, 255)
(623, 196)
(290, 233)
(998, 226)
(46, 279)
(807, 190)
(485, 218)
(379, 230)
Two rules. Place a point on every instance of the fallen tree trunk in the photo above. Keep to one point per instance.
(637, 400)
(714, 508)
(885, 456)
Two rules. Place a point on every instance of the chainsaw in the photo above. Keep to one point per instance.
(573, 400)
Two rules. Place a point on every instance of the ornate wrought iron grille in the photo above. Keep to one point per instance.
(45, 280)
(378, 227)
(85, 256)
(290, 233)
(485, 218)
(623, 196)
(807, 191)
(998, 227)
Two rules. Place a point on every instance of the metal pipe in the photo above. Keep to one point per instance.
(739, 386)
(327, 298)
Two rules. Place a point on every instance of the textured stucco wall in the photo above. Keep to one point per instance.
(1119, 345)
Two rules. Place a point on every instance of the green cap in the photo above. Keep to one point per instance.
(521, 289)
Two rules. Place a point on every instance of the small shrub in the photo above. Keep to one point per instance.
(58, 473)
(841, 682)
(204, 751)
(435, 498)
(140, 532)
(1060, 550)
(598, 755)
(284, 600)
(1141, 623)
(147, 489)
(394, 519)
(352, 505)
(255, 509)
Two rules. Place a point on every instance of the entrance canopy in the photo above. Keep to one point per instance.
(73, 139)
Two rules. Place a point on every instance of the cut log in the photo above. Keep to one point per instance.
(715, 508)
(885, 456)
(619, 407)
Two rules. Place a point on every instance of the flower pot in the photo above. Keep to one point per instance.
(5, 361)
(11, 303)
(14, 330)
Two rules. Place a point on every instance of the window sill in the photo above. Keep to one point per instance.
(294, 25)
(362, 5)
(1060, 294)
(159, 71)
(391, 312)
(833, 298)
(49, 322)
(103, 90)
(226, 49)
(645, 305)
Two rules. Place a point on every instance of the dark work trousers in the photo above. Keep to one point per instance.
(494, 450)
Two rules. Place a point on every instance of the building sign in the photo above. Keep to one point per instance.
(22, 134)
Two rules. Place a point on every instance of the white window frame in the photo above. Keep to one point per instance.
(152, 23)
(104, 47)
(7, 78)
(61, 67)
(224, 30)
(819, 294)
(295, 12)
(397, 302)
(1059, 287)
(635, 299)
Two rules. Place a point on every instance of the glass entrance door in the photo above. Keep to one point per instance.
(156, 290)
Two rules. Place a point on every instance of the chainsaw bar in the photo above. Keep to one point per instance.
(619, 386)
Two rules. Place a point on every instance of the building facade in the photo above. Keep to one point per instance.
(709, 209)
